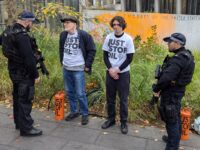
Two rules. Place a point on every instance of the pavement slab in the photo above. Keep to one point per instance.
(62, 135)
(82, 146)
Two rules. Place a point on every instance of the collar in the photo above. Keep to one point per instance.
(179, 50)
(73, 33)
(118, 36)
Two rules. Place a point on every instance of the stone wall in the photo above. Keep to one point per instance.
(141, 23)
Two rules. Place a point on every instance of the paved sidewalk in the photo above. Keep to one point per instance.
(73, 136)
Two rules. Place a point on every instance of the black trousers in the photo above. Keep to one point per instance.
(23, 94)
(122, 87)
(174, 128)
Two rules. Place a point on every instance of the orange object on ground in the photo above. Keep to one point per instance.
(59, 105)
(185, 119)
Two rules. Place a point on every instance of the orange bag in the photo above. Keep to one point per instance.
(185, 119)
(59, 105)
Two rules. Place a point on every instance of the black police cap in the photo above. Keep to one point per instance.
(177, 37)
(26, 15)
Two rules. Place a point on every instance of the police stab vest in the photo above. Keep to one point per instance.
(185, 76)
(8, 44)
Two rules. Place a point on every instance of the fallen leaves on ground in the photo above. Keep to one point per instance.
(136, 131)
(162, 130)
(105, 133)
(37, 125)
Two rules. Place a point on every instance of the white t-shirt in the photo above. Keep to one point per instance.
(73, 55)
(118, 48)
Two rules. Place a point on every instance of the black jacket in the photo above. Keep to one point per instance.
(24, 49)
(86, 45)
(177, 72)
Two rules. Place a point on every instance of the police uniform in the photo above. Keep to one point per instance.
(23, 72)
(176, 73)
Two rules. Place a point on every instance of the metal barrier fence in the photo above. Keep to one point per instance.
(2, 27)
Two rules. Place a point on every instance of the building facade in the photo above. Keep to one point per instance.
(191, 7)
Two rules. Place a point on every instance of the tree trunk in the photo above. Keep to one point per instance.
(27, 5)
(11, 9)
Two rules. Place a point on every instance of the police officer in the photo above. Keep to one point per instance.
(23, 73)
(177, 72)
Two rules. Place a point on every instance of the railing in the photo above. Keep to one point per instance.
(2, 27)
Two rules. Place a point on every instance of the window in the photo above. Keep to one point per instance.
(168, 6)
(118, 1)
(192, 7)
(131, 5)
(147, 5)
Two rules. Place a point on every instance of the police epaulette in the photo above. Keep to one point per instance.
(186, 53)
(16, 31)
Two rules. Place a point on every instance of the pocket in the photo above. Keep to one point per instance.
(162, 113)
(171, 113)
(16, 77)
(31, 93)
(23, 90)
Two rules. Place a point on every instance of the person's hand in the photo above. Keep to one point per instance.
(87, 69)
(116, 73)
(156, 94)
(37, 80)
(113, 72)
(117, 70)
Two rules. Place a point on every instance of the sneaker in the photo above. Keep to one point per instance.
(71, 116)
(165, 138)
(124, 128)
(84, 120)
(108, 124)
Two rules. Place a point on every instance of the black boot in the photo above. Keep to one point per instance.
(84, 120)
(108, 124)
(165, 138)
(124, 128)
(31, 132)
(71, 116)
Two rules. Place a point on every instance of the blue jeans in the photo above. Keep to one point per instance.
(74, 82)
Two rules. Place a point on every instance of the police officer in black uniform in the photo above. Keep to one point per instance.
(177, 72)
(23, 73)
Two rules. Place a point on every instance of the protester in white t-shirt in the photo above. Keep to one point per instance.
(77, 52)
(118, 50)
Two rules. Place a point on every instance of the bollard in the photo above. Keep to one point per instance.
(185, 119)
(59, 106)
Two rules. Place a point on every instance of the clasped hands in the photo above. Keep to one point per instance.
(114, 73)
